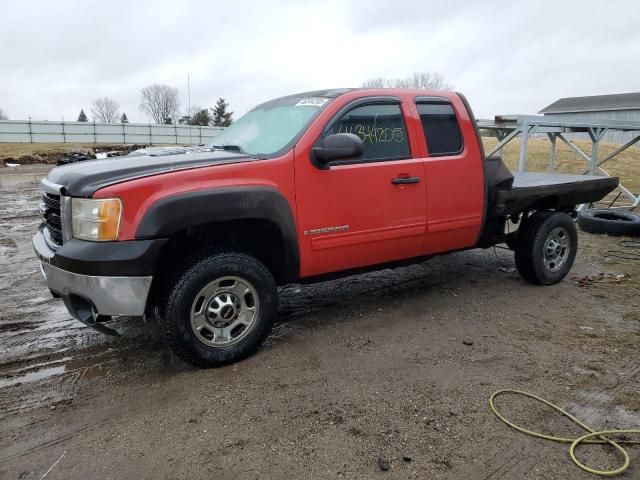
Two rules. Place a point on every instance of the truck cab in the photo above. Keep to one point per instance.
(401, 196)
(302, 188)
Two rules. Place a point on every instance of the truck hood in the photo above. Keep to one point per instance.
(82, 179)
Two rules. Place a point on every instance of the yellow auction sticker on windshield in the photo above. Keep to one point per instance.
(312, 102)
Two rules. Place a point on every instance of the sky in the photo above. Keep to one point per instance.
(507, 57)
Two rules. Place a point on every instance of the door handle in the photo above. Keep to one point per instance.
(405, 180)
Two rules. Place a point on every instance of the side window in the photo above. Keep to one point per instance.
(381, 128)
(440, 128)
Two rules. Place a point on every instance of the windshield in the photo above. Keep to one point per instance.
(272, 127)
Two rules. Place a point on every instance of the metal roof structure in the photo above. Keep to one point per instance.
(594, 103)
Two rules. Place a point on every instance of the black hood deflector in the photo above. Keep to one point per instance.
(83, 179)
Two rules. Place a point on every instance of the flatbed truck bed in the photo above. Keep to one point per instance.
(564, 190)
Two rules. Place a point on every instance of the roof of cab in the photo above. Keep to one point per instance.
(336, 92)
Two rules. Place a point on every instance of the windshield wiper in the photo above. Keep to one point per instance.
(230, 148)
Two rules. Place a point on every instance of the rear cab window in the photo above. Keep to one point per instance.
(440, 127)
(381, 128)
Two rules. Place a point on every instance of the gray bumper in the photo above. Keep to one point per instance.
(110, 296)
(89, 296)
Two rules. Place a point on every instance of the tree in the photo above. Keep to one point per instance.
(222, 118)
(105, 110)
(123, 118)
(3, 116)
(160, 102)
(83, 116)
(201, 117)
(190, 117)
(419, 81)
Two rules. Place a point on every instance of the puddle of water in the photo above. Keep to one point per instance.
(599, 410)
(33, 375)
(14, 179)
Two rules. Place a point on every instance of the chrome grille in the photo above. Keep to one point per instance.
(50, 211)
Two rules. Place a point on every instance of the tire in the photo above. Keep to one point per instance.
(547, 247)
(205, 300)
(610, 221)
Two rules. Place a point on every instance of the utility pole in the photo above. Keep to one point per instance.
(188, 105)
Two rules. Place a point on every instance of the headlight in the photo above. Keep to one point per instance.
(96, 219)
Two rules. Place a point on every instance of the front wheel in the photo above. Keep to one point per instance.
(220, 308)
(546, 248)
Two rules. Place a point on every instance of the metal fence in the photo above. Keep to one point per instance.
(25, 131)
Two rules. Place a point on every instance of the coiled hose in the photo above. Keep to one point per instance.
(588, 438)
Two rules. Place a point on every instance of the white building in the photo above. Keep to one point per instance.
(621, 106)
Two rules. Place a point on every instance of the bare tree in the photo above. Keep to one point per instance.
(3, 116)
(160, 102)
(419, 81)
(378, 83)
(105, 110)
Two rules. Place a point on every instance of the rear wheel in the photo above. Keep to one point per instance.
(547, 247)
(220, 308)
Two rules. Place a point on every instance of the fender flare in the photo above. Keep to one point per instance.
(175, 213)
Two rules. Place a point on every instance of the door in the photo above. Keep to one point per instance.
(453, 173)
(362, 212)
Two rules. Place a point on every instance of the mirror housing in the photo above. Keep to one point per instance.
(339, 146)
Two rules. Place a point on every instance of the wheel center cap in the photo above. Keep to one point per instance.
(227, 312)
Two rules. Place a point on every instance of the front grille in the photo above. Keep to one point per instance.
(50, 210)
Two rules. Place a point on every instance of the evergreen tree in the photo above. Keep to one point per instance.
(123, 118)
(82, 117)
(222, 118)
(201, 117)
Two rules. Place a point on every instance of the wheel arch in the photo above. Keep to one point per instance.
(256, 220)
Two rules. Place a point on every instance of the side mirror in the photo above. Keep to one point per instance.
(339, 146)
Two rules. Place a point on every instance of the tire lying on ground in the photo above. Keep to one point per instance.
(610, 221)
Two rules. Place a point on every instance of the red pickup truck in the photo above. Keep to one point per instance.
(300, 189)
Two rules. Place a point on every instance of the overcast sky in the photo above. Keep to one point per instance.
(507, 57)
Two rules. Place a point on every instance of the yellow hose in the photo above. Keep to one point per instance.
(601, 439)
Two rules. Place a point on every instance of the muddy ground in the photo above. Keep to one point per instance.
(367, 377)
(37, 154)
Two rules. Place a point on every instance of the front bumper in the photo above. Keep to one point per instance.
(99, 280)
(109, 296)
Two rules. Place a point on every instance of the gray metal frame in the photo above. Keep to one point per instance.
(506, 128)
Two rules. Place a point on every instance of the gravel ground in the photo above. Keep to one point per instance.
(383, 375)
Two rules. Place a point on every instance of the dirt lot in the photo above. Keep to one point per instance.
(50, 153)
(366, 372)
